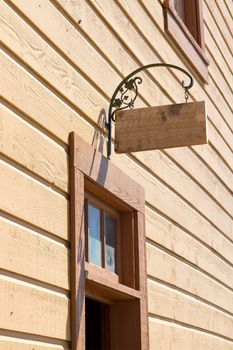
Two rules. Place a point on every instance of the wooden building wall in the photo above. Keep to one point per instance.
(60, 63)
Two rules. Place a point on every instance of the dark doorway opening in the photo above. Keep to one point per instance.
(97, 325)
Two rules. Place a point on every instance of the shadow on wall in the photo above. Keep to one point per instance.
(99, 140)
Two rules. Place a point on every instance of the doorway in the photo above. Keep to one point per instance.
(97, 325)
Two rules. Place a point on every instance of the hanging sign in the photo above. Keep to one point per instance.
(160, 127)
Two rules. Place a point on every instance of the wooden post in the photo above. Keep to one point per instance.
(161, 127)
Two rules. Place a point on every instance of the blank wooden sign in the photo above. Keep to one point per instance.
(160, 127)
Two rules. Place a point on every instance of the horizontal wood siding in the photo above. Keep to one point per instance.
(60, 63)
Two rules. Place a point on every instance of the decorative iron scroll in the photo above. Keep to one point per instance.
(126, 94)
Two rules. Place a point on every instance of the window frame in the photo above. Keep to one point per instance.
(91, 171)
(179, 33)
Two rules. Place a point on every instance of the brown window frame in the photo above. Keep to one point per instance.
(91, 171)
(192, 48)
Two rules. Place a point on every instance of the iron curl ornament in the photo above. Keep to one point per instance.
(127, 92)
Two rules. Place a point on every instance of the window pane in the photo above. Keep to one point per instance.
(94, 235)
(110, 237)
(179, 6)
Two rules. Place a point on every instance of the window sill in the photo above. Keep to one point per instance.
(98, 283)
(177, 30)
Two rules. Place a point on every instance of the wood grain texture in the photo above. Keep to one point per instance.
(22, 305)
(60, 121)
(162, 199)
(139, 220)
(27, 199)
(32, 149)
(167, 335)
(186, 188)
(52, 67)
(11, 343)
(77, 274)
(179, 242)
(79, 100)
(41, 105)
(226, 12)
(160, 127)
(177, 273)
(67, 42)
(172, 304)
(223, 38)
(161, 76)
(46, 76)
(104, 39)
(100, 170)
(30, 254)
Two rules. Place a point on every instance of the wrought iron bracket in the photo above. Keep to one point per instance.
(121, 99)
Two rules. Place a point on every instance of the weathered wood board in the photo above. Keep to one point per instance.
(160, 127)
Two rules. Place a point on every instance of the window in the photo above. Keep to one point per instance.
(188, 12)
(108, 265)
(184, 24)
(102, 234)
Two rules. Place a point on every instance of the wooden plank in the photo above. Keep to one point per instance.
(187, 189)
(98, 280)
(23, 304)
(53, 67)
(187, 160)
(221, 82)
(168, 335)
(42, 106)
(224, 8)
(172, 304)
(161, 198)
(221, 23)
(28, 253)
(29, 147)
(77, 274)
(160, 127)
(162, 232)
(219, 57)
(141, 267)
(8, 342)
(125, 325)
(67, 42)
(226, 152)
(214, 162)
(99, 169)
(127, 250)
(114, 50)
(171, 270)
(29, 200)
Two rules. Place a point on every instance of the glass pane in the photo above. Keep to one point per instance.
(179, 6)
(94, 232)
(110, 237)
